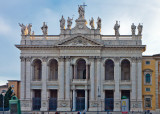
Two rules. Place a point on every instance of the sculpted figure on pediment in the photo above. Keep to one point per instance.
(23, 28)
(91, 23)
(116, 28)
(140, 27)
(69, 23)
(133, 29)
(99, 23)
(29, 29)
(62, 23)
(81, 12)
(44, 29)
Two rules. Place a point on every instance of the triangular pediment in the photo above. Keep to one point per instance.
(78, 40)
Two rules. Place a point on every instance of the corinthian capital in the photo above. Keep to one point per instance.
(116, 59)
(28, 59)
(22, 58)
(44, 59)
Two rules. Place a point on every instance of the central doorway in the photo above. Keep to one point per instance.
(109, 101)
(80, 100)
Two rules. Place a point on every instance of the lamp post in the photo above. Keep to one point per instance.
(3, 93)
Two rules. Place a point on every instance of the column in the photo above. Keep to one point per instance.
(87, 71)
(74, 100)
(133, 80)
(139, 83)
(98, 76)
(22, 78)
(117, 75)
(102, 80)
(67, 87)
(28, 83)
(61, 78)
(75, 71)
(86, 100)
(44, 85)
(61, 102)
(92, 78)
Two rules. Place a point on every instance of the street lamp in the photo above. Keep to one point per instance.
(99, 96)
(3, 93)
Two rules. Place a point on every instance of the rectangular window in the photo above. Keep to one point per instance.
(147, 62)
(148, 102)
(148, 89)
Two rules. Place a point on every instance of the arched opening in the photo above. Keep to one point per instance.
(125, 70)
(81, 69)
(109, 70)
(53, 70)
(37, 68)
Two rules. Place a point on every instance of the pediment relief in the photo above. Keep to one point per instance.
(79, 41)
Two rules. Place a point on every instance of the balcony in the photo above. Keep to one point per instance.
(80, 81)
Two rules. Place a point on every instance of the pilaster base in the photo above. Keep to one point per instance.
(44, 105)
(64, 105)
(26, 105)
(136, 106)
(94, 105)
(117, 105)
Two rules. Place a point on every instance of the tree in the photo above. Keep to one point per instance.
(1, 100)
(8, 97)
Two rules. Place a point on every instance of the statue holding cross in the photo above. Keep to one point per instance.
(81, 11)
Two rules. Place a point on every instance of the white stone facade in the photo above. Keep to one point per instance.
(72, 45)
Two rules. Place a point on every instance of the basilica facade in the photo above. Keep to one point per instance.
(80, 69)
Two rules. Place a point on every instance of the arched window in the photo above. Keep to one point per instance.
(81, 69)
(109, 70)
(37, 68)
(148, 78)
(53, 70)
(125, 70)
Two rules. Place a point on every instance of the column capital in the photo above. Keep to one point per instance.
(28, 59)
(44, 59)
(61, 58)
(22, 58)
(98, 58)
(133, 59)
(139, 59)
(68, 58)
(91, 58)
(116, 59)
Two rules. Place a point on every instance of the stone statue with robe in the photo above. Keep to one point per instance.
(62, 23)
(92, 23)
(44, 29)
(133, 29)
(29, 29)
(116, 28)
(99, 23)
(23, 28)
(69, 23)
(140, 27)
(81, 12)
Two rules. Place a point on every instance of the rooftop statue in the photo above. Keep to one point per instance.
(133, 29)
(23, 28)
(44, 29)
(116, 28)
(91, 22)
(99, 23)
(29, 29)
(81, 12)
(69, 23)
(62, 23)
(140, 27)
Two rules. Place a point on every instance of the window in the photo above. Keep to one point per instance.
(147, 62)
(148, 102)
(148, 78)
(148, 89)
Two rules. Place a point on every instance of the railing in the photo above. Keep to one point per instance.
(113, 37)
(53, 104)
(40, 37)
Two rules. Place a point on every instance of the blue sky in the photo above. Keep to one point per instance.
(36, 12)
